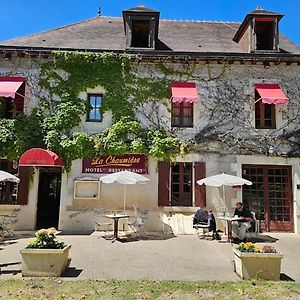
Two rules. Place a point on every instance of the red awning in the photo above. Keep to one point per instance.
(271, 93)
(40, 158)
(184, 92)
(9, 86)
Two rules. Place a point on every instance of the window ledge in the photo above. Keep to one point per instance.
(179, 209)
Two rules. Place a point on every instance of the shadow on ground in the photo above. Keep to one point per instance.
(9, 271)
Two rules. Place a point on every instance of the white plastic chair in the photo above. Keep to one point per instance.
(137, 222)
(202, 229)
(101, 222)
(256, 227)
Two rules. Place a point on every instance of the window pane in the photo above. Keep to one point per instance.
(94, 102)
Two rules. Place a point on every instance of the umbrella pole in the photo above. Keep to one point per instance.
(224, 204)
(125, 192)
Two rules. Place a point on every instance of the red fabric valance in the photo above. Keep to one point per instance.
(40, 158)
(271, 93)
(184, 92)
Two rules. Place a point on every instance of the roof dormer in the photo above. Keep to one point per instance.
(141, 27)
(259, 31)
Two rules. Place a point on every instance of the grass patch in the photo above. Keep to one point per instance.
(113, 289)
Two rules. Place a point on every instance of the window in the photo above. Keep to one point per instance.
(181, 180)
(94, 106)
(265, 35)
(182, 114)
(140, 33)
(12, 94)
(8, 190)
(265, 117)
(7, 108)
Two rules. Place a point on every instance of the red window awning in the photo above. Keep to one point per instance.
(9, 86)
(184, 92)
(271, 93)
(40, 158)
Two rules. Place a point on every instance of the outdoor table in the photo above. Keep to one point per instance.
(116, 218)
(229, 221)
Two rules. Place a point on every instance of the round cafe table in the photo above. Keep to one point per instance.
(116, 218)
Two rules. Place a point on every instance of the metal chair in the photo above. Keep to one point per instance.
(101, 222)
(137, 222)
(202, 228)
(8, 222)
(250, 232)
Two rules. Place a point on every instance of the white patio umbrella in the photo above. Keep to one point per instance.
(5, 176)
(124, 177)
(223, 180)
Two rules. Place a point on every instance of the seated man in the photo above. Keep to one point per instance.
(239, 227)
(202, 216)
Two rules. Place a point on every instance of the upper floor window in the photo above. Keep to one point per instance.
(267, 95)
(12, 94)
(94, 106)
(265, 32)
(140, 33)
(182, 114)
(265, 117)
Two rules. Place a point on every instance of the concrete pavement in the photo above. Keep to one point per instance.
(184, 257)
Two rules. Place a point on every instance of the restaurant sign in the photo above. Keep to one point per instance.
(137, 163)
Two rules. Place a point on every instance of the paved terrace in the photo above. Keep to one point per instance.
(184, 257)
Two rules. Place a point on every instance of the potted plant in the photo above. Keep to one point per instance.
(252, 261)
(45, 255)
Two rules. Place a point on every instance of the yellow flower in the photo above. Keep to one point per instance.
(41, 232)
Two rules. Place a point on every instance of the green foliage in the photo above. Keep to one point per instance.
(53, 124)
(46, 239)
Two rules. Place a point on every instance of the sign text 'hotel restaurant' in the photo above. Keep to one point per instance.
(137, 163)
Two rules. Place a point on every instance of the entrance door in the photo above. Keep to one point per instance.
(181, 180)
(270, 196)
(48, 199)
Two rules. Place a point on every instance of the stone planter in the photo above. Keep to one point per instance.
(257, 265)
(44, 262)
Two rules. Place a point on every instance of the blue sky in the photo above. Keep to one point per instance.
(21, 17)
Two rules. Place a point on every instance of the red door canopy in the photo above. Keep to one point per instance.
(271, 93)
(9, 86)
(184, 92)
(40, 158)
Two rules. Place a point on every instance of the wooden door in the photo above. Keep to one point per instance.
(270, 196)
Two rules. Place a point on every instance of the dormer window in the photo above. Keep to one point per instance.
(259, 31)
(141, 28)
(140, 33)
(265, 33)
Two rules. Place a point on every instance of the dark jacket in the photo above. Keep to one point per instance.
(244, 213)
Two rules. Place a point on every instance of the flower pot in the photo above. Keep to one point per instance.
(257, 265)
(44, 262)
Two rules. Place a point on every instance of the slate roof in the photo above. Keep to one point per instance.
(107, 33)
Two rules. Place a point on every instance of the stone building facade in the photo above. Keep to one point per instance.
(244, 120)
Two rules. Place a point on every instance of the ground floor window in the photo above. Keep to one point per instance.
(8, 190)
(181, 184)
(177, 184)
(270, 196)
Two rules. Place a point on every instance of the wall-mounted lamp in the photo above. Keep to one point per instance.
(271, 150)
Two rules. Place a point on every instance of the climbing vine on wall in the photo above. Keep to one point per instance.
(53, 123)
